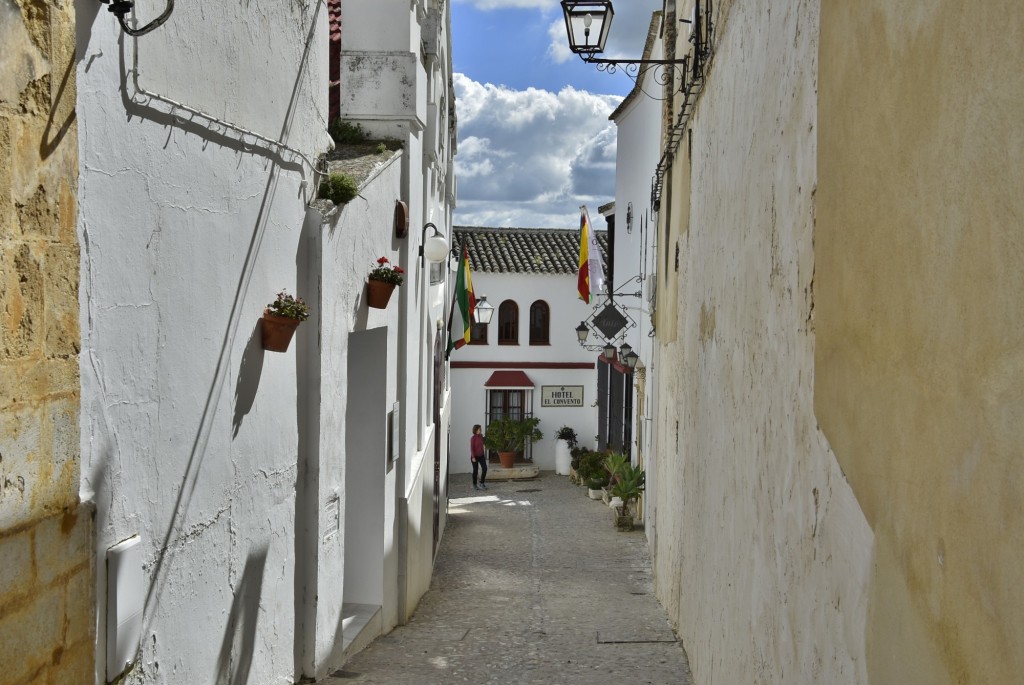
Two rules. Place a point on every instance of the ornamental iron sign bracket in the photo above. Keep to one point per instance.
(610, 320)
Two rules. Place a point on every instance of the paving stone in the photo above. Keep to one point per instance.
(530, 588)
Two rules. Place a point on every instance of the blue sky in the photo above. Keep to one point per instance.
(509, 46)
(535, 141)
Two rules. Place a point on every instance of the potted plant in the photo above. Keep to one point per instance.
(509, 436)
(575, 455)
(628, 488)
(591, 469)
(280, 319)
(383, 280)
(596, 486)
(564, 444)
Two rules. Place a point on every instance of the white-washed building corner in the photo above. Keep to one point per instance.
(273, 495)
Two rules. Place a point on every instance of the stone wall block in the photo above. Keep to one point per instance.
(61, 300)
(29, 381)
(21, 296)
(62, 545)
(72, 664)
(16, 573)
(20, 439)
(79, 598)
(30, 632)
(38, 214)
(7, 226)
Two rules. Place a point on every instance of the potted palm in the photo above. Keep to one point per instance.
(280, 319)
(628, 488)
(509, 436)
(382, 281)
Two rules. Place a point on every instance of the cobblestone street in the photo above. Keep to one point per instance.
(533, 584)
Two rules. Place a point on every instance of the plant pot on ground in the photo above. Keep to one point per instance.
(509, 436)
(623, 519)
(596, 486)
(628, 488)
(565, 442)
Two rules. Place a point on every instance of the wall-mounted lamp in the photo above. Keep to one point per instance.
(609, 351)
(582, 331)
(587, 23)
(630, 360)
(484, 311)
(434, 248)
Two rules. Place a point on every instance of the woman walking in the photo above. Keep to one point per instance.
(478, 455)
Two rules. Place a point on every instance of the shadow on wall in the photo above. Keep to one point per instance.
(239, 642)
(248, 379)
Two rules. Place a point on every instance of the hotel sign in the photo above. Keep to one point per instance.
(561, 395)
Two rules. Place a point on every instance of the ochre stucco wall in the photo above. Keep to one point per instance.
(762, 555)
(918, 301)
(46, 624)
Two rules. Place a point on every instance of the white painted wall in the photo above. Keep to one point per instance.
(567, 310)
(230, 461)
(762, 555)
(638, 150)
(191, 433)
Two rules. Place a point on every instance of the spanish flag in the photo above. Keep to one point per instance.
(590, 279)
(463, 305)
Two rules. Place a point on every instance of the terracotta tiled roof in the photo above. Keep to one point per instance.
(334, 19)
(525, 250)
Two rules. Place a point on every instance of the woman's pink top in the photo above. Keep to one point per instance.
(476, 445)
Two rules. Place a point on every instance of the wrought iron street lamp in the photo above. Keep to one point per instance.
(587, 23)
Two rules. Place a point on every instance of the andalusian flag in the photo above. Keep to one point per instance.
(463, 306)
(591, 274)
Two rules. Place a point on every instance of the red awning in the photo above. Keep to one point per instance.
(508, 379)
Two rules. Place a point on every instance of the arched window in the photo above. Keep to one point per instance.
(540, 318)
(508, 323)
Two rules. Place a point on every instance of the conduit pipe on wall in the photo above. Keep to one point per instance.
(120, 8)
(272, 144)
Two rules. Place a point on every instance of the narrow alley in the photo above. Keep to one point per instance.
(533, 584)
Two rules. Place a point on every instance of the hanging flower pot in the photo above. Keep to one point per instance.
(384, 278)
(280, 319)
(378, 293)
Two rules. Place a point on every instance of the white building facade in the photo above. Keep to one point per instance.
(633, 223)
(528, 356)
(286, 505)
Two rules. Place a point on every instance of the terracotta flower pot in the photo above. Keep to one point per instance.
(507, 459)
(378, 293)
(276, 331)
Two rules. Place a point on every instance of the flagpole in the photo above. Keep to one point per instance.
(451, 309)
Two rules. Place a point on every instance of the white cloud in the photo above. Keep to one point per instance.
(531, 157)
(558, 47)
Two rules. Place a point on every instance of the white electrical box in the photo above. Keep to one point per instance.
(125, 598)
